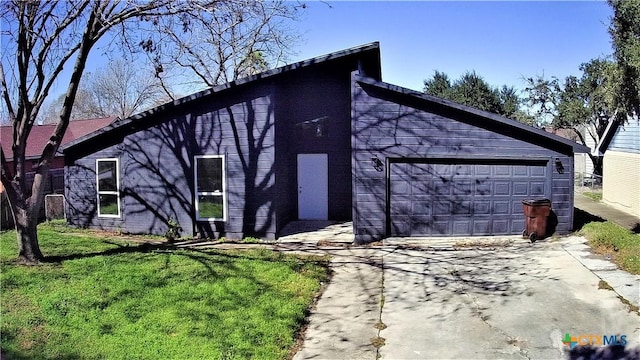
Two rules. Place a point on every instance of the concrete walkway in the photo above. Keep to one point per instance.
(606, 212)
(452, 298)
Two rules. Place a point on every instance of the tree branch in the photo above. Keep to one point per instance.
(52, 145)
(5, 95)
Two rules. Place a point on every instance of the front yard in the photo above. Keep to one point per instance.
(102, 298)
(616, 242)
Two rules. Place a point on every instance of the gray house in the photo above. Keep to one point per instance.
(320, 139)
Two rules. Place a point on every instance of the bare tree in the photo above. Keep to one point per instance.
(117, 89)
(123, 90)
(238, 39)
(83, 108)
(38, 40)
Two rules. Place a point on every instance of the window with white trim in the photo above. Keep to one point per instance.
(211, 197)
(108, 187)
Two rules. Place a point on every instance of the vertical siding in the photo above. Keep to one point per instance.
(592, 144)
(384, 126)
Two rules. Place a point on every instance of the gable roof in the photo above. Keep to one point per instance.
(500, 120)
(613, 128)
(372, 69)
(607, 136)
(40, 134)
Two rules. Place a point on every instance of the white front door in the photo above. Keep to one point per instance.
(313, 187)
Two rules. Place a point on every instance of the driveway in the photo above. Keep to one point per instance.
(498, 298)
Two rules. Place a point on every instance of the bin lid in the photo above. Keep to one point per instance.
(537, 202)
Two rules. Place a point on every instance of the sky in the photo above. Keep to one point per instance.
(503, 41)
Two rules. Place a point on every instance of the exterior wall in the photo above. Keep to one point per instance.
(621, 185)
(627, 137)
(260, 128)
(388, 125)
(157, 169)
(259, 124)
(318, 97)
(592, 144)
(582, 164)
(81, 194)
(621, 166)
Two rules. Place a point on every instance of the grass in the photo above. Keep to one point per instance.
(100, 298)
(611, 239)
(603, 285)
(593, 195)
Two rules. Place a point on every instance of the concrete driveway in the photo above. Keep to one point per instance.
(500, 298)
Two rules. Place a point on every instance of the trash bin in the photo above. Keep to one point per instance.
(536, 213)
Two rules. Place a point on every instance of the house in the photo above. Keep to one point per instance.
(38, 138)
(324, 138)
(582, 163)
(620, 145)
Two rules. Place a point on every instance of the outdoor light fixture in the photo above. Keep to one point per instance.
(377, 163)
(559, 166)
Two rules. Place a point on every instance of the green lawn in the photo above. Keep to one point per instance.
(593, 195)
(106, 299)
(611, 239)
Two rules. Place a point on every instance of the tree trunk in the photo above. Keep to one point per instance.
(26, 229)
(597, 164)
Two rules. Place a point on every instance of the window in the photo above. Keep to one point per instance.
(211, 198)
(108, 186)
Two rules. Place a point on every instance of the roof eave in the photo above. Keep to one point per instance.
(607, 136)
(373, 46)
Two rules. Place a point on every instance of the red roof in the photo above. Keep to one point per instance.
(40, 134)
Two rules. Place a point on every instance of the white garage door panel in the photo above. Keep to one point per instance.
(462, 199)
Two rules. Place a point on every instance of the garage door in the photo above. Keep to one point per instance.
(465, 197)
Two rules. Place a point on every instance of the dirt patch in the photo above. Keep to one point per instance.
(603, 285)
(492, 244)
(377, 342)
(380, 325)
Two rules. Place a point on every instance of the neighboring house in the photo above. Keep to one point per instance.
(590, 142)
(620, 145)
(582, 163)
(38, 138)
(320, 139)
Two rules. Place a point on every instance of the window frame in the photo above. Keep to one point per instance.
(109, 192)
(222, 193)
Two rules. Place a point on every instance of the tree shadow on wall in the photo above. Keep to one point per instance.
(161, 164)
(157, 175)
(436, 176)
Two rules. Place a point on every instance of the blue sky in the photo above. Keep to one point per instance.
(502, 41)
